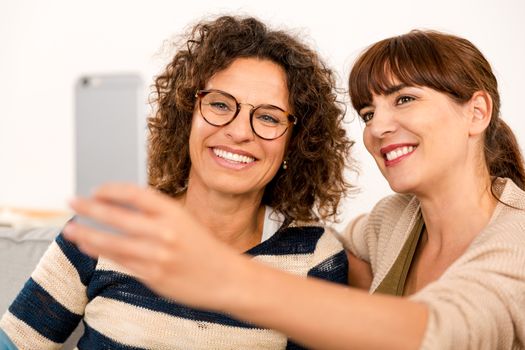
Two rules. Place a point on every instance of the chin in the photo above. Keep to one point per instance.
(401, 186)
(230, 186)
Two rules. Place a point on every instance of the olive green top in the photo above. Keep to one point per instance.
(394, 281)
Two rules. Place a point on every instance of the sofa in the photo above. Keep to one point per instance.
(20, 251)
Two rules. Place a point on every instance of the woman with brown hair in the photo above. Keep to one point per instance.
(248, 139)
(442, 262)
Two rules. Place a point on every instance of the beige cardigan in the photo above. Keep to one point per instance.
(479, 301)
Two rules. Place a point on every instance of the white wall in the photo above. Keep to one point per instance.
(45, 45)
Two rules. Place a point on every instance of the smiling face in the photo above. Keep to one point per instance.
(419, 137)
(231, 159)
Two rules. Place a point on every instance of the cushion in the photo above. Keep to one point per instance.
(20, 252)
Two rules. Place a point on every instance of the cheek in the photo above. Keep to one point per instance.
(275, 152)
(200, 129)
(194, 132)
(368, 140)
(198, 133)
(197, 124)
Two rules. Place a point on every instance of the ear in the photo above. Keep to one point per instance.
(480, 110)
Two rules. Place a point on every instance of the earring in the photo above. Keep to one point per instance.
(285, 165)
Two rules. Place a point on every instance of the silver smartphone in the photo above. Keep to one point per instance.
(110, 131)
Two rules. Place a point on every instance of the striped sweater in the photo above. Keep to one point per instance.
(119, 312)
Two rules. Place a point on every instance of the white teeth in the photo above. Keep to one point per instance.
(234, 157)
(399, 152)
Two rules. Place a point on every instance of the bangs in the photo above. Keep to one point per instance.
(413, 59)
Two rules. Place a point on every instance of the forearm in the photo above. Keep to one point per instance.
(323, 315)
(178, 259)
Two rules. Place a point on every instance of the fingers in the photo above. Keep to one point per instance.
(147, 200)
(122, 218)
(132, 252)
(145, 258)
(154, 211)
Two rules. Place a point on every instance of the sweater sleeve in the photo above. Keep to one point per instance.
(52, 301)
(354, 237)
(478, 303)
(361, 236)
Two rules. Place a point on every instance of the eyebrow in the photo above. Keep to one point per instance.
(261, 104)
(395, 88)
(389, 91)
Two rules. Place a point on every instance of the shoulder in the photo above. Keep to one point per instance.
(499, 247)
(308, 238)
(507, 229)
(385, 214)
(507, 224)
(491, 272)
(293, 239)
(392, 215)
(509, 193)
(329, 260)
(392, 207)
(307, 249)
(323, 240)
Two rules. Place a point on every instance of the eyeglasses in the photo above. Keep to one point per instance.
(219, 108)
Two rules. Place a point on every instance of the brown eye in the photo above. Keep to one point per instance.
(367, 116)
(404, 99)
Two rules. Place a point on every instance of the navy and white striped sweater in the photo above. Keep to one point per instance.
(119, 312)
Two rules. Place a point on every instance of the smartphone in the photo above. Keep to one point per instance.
(110, 131)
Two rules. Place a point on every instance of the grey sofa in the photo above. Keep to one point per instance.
(20, 251)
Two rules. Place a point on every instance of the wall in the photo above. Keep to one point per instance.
(45, 46)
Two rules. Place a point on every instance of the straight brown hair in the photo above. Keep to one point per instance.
(448, 64)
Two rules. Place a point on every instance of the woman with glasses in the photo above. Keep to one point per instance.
(444, 259)
(248, 140)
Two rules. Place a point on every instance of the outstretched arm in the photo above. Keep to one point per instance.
(175, 256)
(323, 315)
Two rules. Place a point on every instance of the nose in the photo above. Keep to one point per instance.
(383, 123)
(240, 130)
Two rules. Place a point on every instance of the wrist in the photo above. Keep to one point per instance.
(243, 288)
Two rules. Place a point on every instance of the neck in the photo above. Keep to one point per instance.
(456, 210)
(235, 219)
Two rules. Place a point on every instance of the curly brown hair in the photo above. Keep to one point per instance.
(314, 183)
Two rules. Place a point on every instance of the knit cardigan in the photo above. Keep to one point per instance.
(119, 312)
(479, 301)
